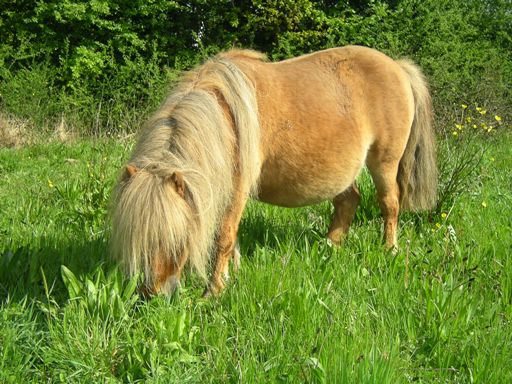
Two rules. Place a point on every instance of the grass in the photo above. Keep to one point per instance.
(299, 310)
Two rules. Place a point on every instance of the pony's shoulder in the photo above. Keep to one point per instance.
(243, 54)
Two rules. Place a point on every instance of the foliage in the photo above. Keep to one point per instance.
(102, 65)
(462, 146)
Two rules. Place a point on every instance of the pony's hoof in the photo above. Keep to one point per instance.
(213, 290)
(393, 249)
(336, 238)
(334, 243)
(207, 293)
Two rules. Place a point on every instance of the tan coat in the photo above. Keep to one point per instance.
(290, 133)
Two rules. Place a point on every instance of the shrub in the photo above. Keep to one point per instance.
(465, 140)
(101, 65)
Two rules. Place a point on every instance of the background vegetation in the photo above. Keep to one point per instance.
(438, 311)
(98, 67)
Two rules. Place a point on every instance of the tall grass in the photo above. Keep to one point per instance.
(35, 107)
(299, 310)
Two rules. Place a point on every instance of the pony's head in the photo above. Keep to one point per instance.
(177, 187)
(153, 222)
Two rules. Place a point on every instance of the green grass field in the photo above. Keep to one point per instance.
(299, 310)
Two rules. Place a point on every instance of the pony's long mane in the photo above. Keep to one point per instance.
(207, 129)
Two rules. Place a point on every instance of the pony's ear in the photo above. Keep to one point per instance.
(130, 171)
(178, 182)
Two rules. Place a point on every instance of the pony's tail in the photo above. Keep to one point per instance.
(417, 171)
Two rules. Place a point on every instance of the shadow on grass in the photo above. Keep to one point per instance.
(268, 227)
(260, 230)
(35, 273)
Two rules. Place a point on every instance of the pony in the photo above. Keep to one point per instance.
(289, 133)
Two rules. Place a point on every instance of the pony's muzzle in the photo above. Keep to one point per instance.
(166, 288)
(170, 286)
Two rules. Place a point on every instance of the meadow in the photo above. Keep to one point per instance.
(78, 77)
(299, 310)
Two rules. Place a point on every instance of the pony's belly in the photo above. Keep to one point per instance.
(289, 199)
(296, 189)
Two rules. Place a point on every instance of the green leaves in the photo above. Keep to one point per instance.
(315, 369)
(103, 64)
(71, 283)
(99, 296)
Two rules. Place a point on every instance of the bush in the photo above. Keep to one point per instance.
(464, 143)
(103, 64)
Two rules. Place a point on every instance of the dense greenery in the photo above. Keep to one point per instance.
(99, 66)
(299, 310)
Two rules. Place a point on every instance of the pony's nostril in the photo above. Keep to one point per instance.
(171, 285)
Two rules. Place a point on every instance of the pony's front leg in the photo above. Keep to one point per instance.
(345, 205)
(227, 246)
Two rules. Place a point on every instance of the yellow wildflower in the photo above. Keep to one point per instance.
(455, 133)
(458, 126)
(464, 106)
(497, 118)
(438, 225)
(444, 215)
(50, 184)
(484, 204)
(468, 119)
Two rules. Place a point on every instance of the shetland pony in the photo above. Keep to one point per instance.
(289, 133)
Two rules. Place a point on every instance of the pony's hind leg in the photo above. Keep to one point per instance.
(345, 205)
(384, 174)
